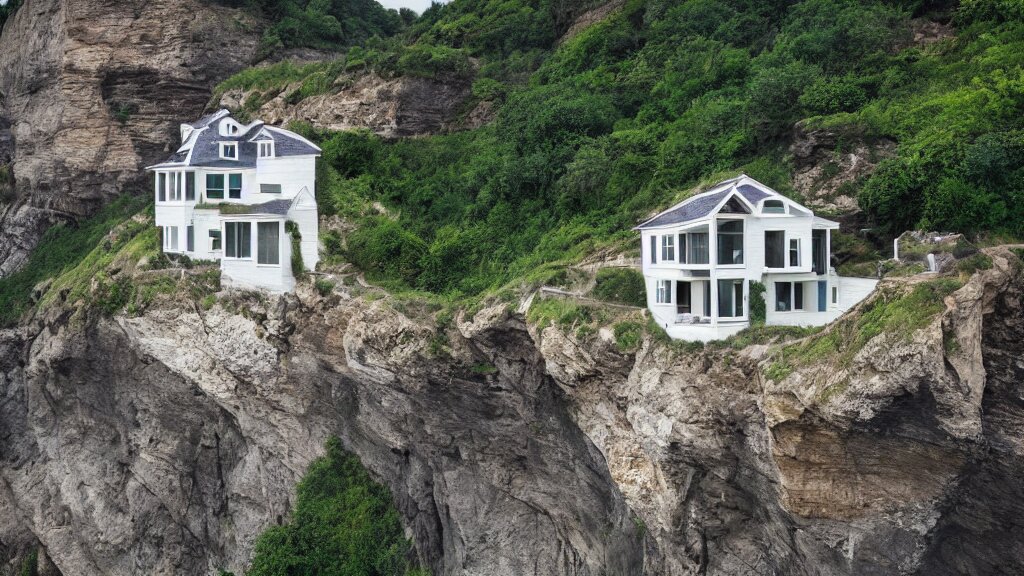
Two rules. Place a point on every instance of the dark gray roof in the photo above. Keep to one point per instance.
(698, 207)
(276, 207)
(206, 149)
(753, 194)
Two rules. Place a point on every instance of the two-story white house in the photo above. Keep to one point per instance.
(227, 193)
(701, 256)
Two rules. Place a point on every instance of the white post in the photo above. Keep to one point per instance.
(712, 261)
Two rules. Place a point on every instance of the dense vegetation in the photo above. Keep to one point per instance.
(343, 524)
(595, 132)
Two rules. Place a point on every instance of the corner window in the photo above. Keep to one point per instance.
(266, 149)
(270, 188)
(161, 186)
(268, 243)
(773, 207)
(215, 186)
(730, 242)
(229, 150)
(668, 247)
(238, 239)
(663, 292)
(214, 240)
(794, 252)
(235, 186)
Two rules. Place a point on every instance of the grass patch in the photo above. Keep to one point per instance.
(974, 263)
(67, 248)
(628, 335)
(621, 285)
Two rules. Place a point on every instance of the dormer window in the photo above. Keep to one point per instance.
(773, 207)
(232, 129)
(229, 150)
(266, 149)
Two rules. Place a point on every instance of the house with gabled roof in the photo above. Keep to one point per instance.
(229, 192)
(701, 256)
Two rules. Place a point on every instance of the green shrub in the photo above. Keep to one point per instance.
(342, 523)
(30, 564)
(386, 249)
(758, 304)
(324, 286)
(298, 265)
(622, 285)
(628, 335)
(831, 95)
(972, 264)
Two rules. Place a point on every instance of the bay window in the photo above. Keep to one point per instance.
(730, 242)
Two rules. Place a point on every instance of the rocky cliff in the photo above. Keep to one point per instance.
(91, 91)
(163, 443)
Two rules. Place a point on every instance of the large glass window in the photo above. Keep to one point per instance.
(215, 186)
(238, 240)
(663, 292)
(268, 243)
(730, 242)
(783, 296)
(775, 249)
(730, 298)
(668, 248)
(698, 247)
(234, 186)
(794, 252)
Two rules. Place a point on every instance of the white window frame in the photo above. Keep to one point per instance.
(210, 238)
(224, 145)
(663, 292)
(668, 248)
(171, 238)
(266, 148)
(789, 252)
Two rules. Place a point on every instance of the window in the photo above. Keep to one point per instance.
(794, 252)
(175, 191)
(730, 298)
(668, 247)
(663, 294)
(229, 150)
(232, 129)
(698, 245)
(238, 239)
(730, 242)
(798, 296)
(270, 188)
(682, 248)
(654, 249)
(266, 149)
(234, 186)
(214, 240)
(215, 186)
(171, 238)
(774, 249)
(190, 186)
(161, 186)
(190, 238)
(268, 243)
(835, 295)
(783, 296)
(773, 207)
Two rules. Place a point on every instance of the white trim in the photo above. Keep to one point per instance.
(221, 146)
(293, 135)
(259, 149)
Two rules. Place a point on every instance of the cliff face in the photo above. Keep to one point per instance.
(164, 443)
(91, 91)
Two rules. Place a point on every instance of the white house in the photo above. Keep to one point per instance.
(701, 256)
(227, 193)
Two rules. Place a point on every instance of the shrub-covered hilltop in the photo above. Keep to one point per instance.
(592, 133)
